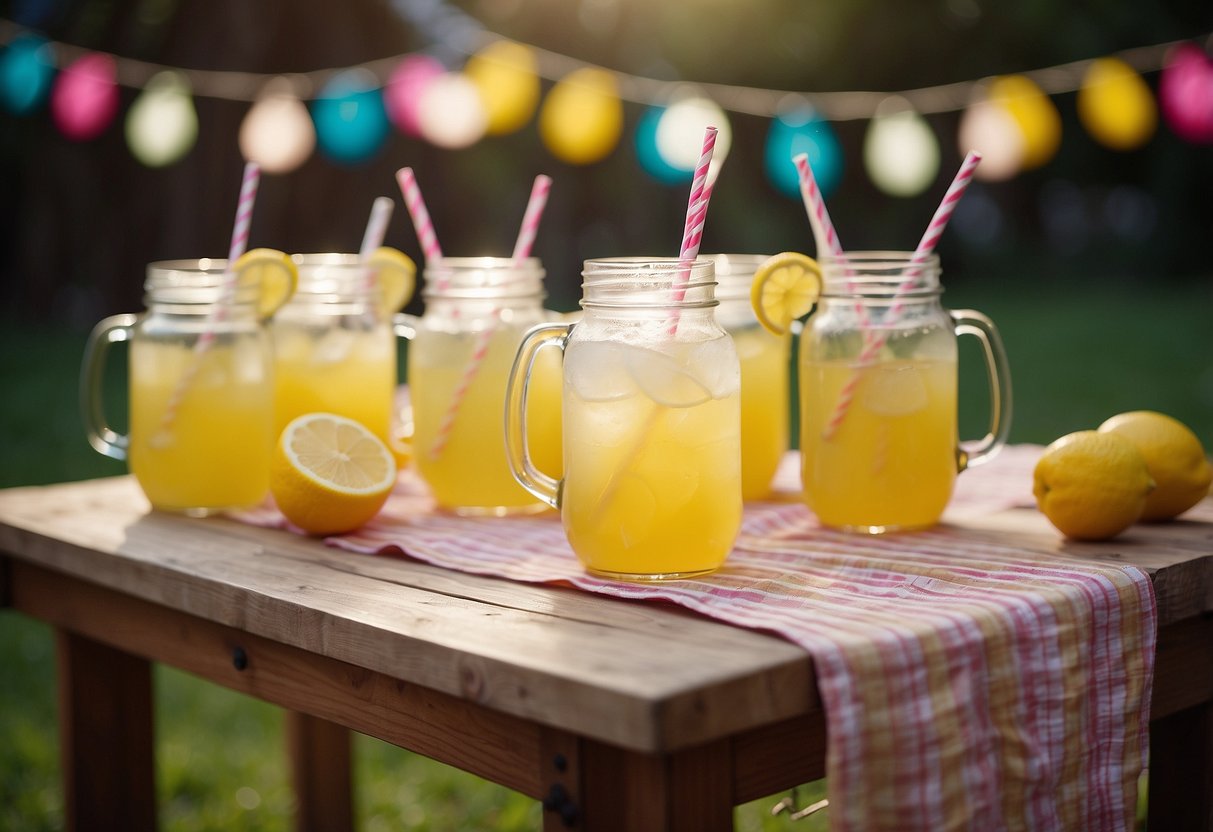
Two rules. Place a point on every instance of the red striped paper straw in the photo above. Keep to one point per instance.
(372, 237)
(421, 217)
(480, 349)
(227, 289)
(924, 250)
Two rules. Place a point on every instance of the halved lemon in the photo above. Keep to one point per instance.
(271, 270)
(330, 474)
(396, 276)
(785, 287)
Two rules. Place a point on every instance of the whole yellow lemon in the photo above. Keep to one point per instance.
(1174, 455)
(1091, 485)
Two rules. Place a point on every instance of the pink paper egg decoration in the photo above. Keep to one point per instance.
(84, 100)
(403, 92)
(1185, 93)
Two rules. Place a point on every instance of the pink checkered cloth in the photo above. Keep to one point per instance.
(965, 687)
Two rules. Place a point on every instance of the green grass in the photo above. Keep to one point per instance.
(1079, 354)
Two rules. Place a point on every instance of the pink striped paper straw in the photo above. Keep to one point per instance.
(697, 212)
(227, 289)
(421, 217)
(697, 202)
(372, 237)
(823, 228)
(815, 206)
(534, 213)
(692, 227)
(244, 218)
(924, 250)
(480, 349)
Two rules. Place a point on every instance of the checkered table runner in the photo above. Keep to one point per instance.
(964, 686)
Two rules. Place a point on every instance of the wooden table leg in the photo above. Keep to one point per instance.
(319, 753)
(105, 736)
(1181, 771)
(687, 791)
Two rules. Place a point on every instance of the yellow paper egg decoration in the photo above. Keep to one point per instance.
(504, 73)
(1034, 114)
(1115, 105)
(582, 118)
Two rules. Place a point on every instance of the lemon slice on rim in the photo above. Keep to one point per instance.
(396, 276)
(785, 287)
(271, 270)
(330, 474)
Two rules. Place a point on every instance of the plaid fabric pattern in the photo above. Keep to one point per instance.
(964, 686)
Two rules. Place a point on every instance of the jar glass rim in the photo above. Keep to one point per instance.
(735, 274)
(200, 265)
(880, 274)
(471, 278)
(648, 282)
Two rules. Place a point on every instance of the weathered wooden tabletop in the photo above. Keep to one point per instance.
(647, 678)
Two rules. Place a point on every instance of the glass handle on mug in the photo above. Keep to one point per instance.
(518, 455)
(101, 436)
(971, 322)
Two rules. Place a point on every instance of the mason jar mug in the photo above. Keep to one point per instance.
(652, 447)
(200, 390)
(878, 388)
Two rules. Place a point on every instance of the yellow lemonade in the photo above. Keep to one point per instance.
(652, 461)
(466, 466)
(214, 452)
(350, 372)
(764, 407)
(893, 456)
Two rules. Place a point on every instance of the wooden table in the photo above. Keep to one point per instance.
(619, 716)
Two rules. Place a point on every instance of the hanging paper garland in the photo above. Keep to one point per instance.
(1185, 92)
(162, 125)
(84, 99)
(27, 67)
(647, 154)
(582, 118)
(1115, 105)
(1034, 114)
(900, 152)
(450, 113)
(404, 88)
(504, 74)
(277, 133)
(801, 130)
(351, 124)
